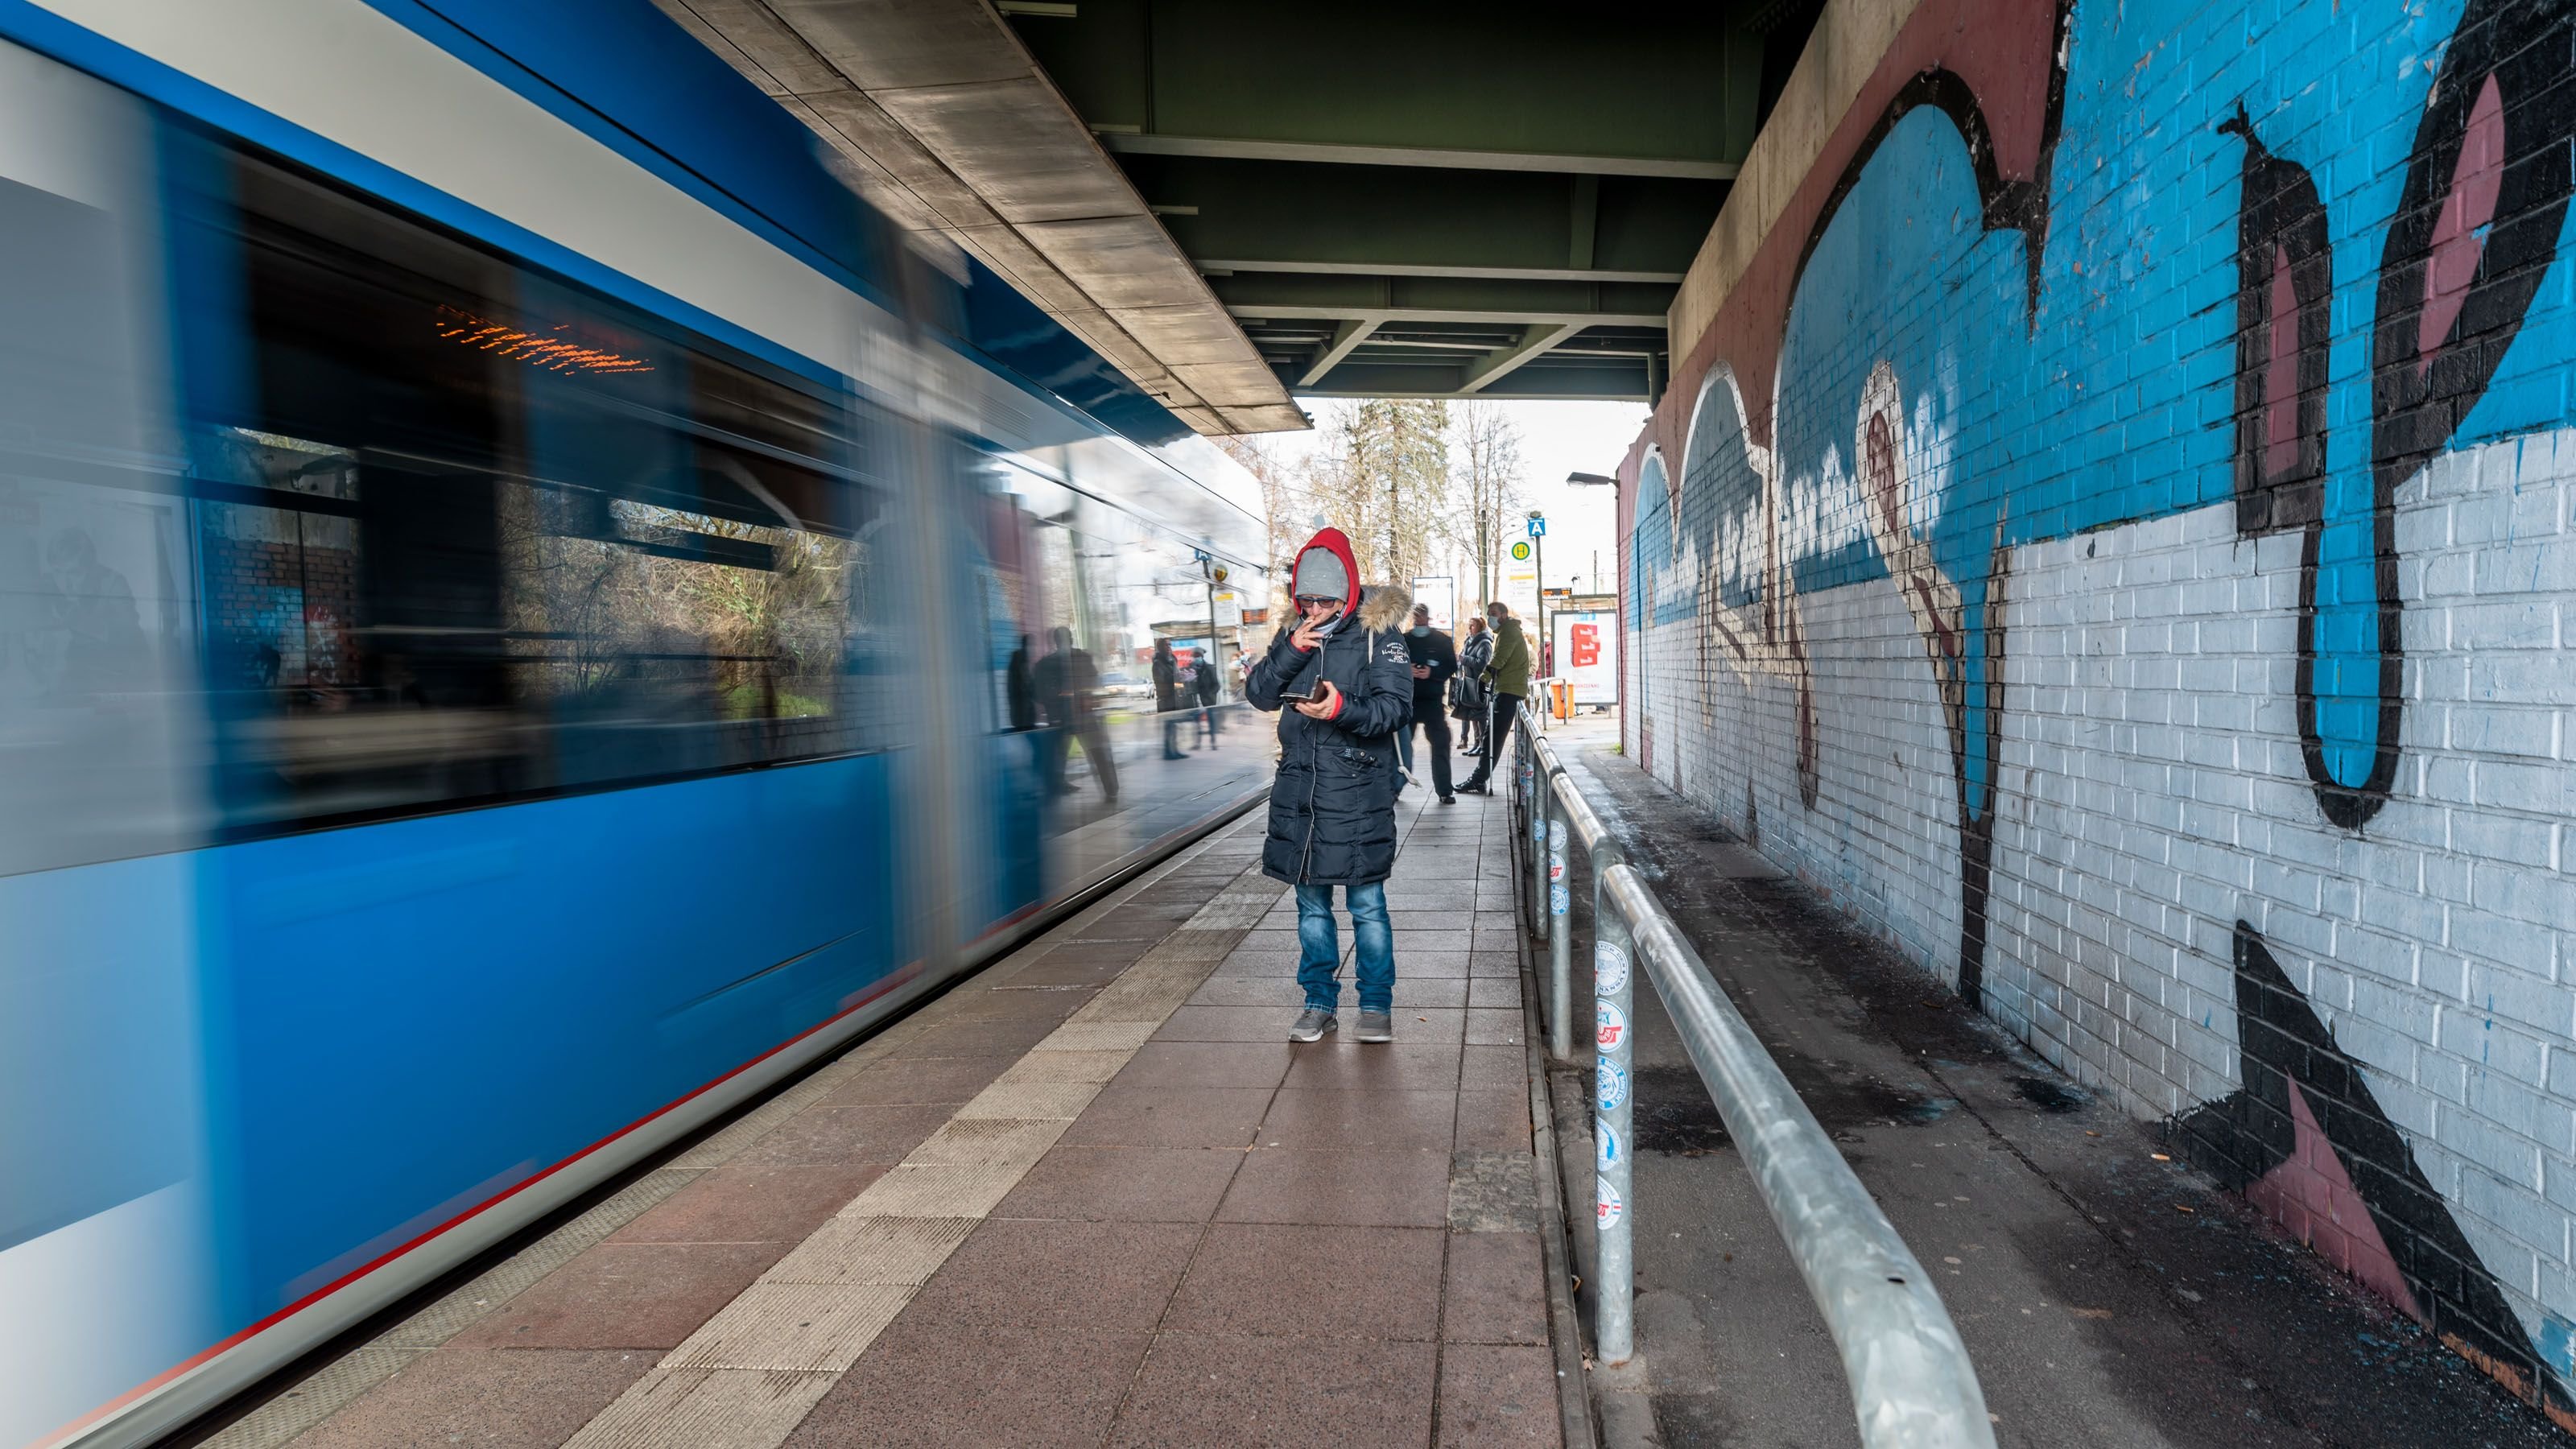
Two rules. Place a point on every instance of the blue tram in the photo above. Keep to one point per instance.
(521, 603)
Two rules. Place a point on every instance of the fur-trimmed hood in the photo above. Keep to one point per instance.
(1383, 607)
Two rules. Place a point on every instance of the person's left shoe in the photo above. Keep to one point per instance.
(1375, 1026)
(1448, 799)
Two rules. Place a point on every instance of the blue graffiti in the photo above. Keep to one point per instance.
(2094, 349)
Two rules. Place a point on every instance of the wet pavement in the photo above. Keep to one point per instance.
(2108, 1296)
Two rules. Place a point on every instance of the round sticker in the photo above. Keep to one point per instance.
(1612, 1206)
(1556, 836)
(1609, 1026)
(1557, 900)
(1609, 1145)
(1556, 869)
(1610, 1085)
(1609, 969)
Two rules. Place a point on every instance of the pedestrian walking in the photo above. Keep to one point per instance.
(1435, 659)
(1167, 696)
(1468, 697)
(1210, 685)
(1507, 675)
(1346, 677)
(1066, 682)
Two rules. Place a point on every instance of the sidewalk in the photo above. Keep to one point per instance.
(1092, 1196)
(2107, 1296)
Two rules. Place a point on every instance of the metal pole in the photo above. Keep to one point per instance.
(1538, 565)
(1614, 1049)
(1560, 933)
(1531, 782)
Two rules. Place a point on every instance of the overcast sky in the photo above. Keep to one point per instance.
(1557, 438)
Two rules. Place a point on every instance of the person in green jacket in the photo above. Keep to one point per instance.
(1509, 679)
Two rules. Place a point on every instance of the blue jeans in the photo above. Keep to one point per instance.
(1319, 951)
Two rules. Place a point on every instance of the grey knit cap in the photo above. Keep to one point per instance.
(1320, 575)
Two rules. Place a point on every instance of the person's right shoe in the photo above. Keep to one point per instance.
(1474, 787)
(1375, 1026)
(1312, 1025)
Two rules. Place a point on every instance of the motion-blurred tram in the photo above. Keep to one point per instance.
(528, 613)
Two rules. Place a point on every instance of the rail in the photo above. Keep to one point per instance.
(1912, 1386)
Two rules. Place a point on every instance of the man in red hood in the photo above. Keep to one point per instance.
(1343, 668)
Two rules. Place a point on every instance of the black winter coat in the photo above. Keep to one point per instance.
(1435, 650)
(1332, 805)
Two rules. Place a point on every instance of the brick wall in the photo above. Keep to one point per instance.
(2111, 539)
(264, 584)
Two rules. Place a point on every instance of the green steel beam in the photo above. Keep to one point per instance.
(1661, 80)
(1353, 216)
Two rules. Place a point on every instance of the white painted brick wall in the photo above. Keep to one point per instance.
(2151, 793)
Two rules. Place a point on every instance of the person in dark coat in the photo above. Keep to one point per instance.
(1472, 697)
(1021, 689)
(1344, 671)
(1065, 680)
(1434, 660)
(1211, 692)
(1167, 696)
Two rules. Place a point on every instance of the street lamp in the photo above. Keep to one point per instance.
(1591, 480)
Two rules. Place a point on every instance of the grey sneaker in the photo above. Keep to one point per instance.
(1376, 1026)
(1312, 1024)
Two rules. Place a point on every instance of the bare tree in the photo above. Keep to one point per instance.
(1488, 455)
(1286, 500)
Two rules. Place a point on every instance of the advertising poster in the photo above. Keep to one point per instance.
(1441, 593)
(1587, 653)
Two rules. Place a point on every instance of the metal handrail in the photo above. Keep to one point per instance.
(1912, 1385)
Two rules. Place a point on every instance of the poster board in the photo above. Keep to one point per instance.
(1440, 591)
(1587, 653)
(1520, 579)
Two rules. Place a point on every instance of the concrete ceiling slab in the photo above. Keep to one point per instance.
(1017, 145)
(1122, 261)
(884, 44)
(946, 122)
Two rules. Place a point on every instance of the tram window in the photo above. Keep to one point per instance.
(471, 534)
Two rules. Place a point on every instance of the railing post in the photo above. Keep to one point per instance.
(1560, 931)
(1534, 789)
(1615, 1105)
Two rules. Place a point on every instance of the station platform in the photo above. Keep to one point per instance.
(1090, 1196)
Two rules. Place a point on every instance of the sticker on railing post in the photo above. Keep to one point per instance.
(1610, 1085)
(1612, 1206)
(1609, 969)
(1556, 836)
(1609, 1026)
(1608, 1144)
(1557, 899)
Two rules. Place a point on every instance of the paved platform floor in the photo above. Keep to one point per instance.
(1091, 1196)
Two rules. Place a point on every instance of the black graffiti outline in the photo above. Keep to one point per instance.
(2244, 1135)
(2521, 48)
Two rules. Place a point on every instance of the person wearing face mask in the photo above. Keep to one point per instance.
(1434, 660)
(1468, 698)
(1508, 674)
(1344, 671)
